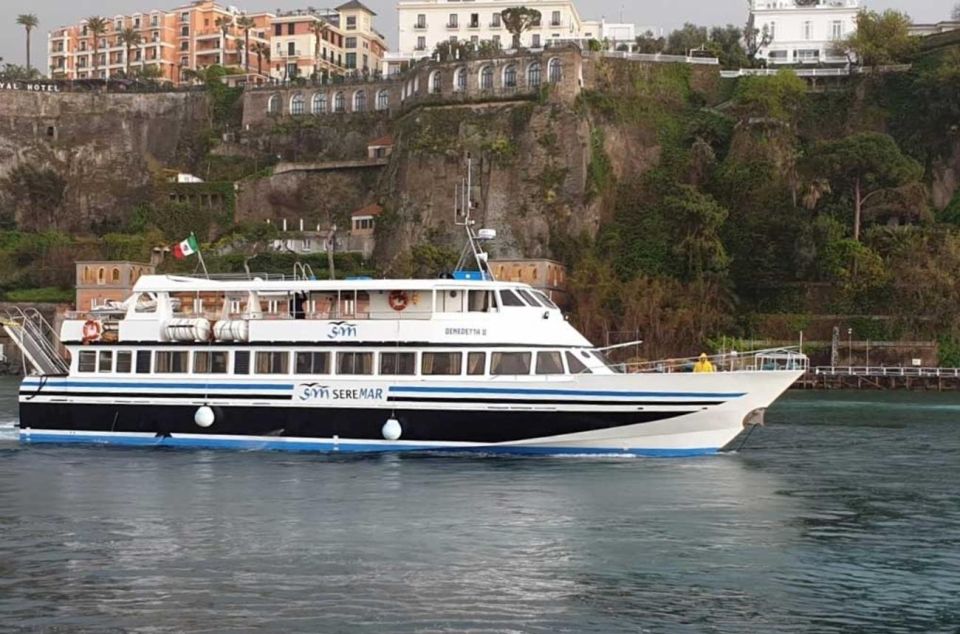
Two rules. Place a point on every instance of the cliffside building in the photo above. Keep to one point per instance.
(803, 31)
(102, 281)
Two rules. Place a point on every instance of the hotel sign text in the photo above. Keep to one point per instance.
(28, 86)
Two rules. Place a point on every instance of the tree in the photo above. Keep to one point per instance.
(650, 44)
(224, 23)
(869, 165)
(129, 37)
(29, 22)
(955, 14)
(686, 39)
(700, 217)
(776, 97)
(880, 39)
(96, 26)
(245, 23)
(262, 49)
(319, 29)
(725, 45)
(39, 190)
(519, 20)
(755, 39)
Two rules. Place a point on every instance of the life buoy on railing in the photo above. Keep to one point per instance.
(91, 330)
(398, 300)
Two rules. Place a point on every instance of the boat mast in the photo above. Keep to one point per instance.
(473, 253)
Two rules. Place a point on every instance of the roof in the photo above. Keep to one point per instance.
(184, 284)
(369, 210)
(384, 141)
(356, 4)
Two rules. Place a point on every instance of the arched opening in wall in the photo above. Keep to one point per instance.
(319, 104)
(555, 70)
(360, 101)
(533, 75)
(273, 105)
(436, 82)
(115, 275)
(338, 103)
(101, 275)
(460, 80)
(486, 78)
(510, 77)
(298, 105)
(87, 275)
(51, 132)
(383, 100)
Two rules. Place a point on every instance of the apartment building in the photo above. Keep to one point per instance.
(204, 33)
(804, 32)
(425, 23)
(323, 43)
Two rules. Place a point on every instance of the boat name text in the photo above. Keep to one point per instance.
(315, 392)
(467, 332)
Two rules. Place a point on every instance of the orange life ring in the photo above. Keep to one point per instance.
(397, 300)
(91, 331)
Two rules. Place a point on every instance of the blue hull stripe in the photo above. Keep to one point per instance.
(547, 392)
(199, 441)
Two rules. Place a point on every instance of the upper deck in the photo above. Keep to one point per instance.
(178, 308)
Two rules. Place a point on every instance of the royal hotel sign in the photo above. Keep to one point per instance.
(29, 86)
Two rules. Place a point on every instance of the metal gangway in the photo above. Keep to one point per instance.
(38, 342)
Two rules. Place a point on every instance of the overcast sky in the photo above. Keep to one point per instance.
(667, 14)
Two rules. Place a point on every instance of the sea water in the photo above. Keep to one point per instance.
(842, 515)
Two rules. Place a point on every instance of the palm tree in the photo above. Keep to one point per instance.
(262, 49)
(96, 26)
(129, 37)
(245, 23)
(224, 23)
(29, 22)
(319, 29)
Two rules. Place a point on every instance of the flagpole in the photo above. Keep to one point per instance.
(200, 257)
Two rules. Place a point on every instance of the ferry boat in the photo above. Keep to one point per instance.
(465, 364)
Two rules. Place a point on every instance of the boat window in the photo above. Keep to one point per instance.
(313, 363)
(480, 301)
(272, 363)
(613, 367)
(398, 363)
(146, 303)
(441, 363)
(241, 362)
(549, 363)
(476, 363)
(210, 362)
(502, 363)
(173, 362)
(354, 363)
(576, 366)
(509, 298)
(105, 363)
(530, 299)
(124, 362)
(143, 361)
(545, 300)
(87, 362)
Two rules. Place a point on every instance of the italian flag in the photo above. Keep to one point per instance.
(185, 248)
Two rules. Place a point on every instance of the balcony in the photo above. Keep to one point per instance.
(496, 25)
(555, 23)
(453, 26)
(420, 26)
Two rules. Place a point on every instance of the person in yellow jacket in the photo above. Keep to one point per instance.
(703, 364)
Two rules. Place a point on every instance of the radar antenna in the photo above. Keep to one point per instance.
(473, 254)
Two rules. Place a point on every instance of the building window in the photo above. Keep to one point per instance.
(421, 21)
(291, 28)
(351, 60)
(536, 41)
(510, 76)
(441, 363)
(555, 71)
(486, 78)
(383, 100)
(555, 19)
(298, 105)
(533, 75)
(319, 103)
(474, 20)
(495, 22)
(338, 102)
(352, 23)
(278, 29)
(836, 30)
(184, 31)
(272, 362)
(354, 363)
(460, 82)
(421, 43)
(313, 362)
(115, 275)
(172, 362)
(291, 49)
(273, 105)
(808, 30)
(398, 363)
(360, 101)
(453, 22)
(436, 82)
(350, 42)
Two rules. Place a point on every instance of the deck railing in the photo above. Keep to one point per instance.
(769, 360)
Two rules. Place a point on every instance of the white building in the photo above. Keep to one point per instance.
(804, 32)
(425, 23)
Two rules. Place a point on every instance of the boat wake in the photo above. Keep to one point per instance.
(8, 430)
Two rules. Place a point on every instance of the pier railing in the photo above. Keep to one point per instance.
(882, 371)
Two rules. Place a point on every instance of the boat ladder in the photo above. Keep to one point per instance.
(37, 341)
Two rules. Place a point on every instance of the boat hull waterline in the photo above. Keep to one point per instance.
(657, 415)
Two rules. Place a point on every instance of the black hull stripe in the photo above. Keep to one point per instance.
(435, 425)
(244, 396)
(530, 401)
